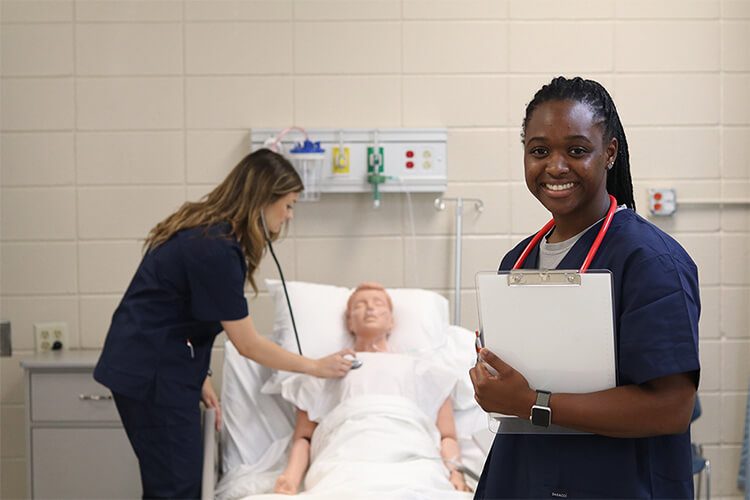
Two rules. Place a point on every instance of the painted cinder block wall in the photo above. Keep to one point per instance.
(114, 112)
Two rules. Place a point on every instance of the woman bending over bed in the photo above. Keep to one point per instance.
(380, 428)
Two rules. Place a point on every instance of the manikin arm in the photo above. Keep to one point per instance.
(449, 448)
(299, 457)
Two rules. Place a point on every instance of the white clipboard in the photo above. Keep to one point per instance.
(555, 327)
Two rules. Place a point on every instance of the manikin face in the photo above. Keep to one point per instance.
(370, 317)
(280, 211)
(565, 160)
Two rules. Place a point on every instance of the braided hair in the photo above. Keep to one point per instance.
(591, 93)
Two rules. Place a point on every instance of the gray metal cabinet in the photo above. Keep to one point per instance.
(76, 446)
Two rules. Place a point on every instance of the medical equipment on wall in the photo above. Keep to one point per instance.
(307, 158)
(479, 207)
(368, 160)
(664, 201)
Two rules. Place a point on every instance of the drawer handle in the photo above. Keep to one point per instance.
(95, 397)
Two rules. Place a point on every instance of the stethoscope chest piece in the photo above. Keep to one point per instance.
(355, 362)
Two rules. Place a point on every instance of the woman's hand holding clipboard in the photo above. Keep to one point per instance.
(506, 392)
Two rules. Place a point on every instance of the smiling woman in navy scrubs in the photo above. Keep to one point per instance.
(188, 288)
(575, 156)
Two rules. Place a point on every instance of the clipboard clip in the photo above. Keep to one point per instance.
(551, 277)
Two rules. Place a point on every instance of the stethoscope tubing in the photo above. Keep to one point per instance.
(594, 247)
(286, 294)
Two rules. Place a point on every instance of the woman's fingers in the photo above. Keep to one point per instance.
(500, 366)
(218, 418)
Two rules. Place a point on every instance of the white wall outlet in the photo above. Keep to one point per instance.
(51, 336)
(662, 201)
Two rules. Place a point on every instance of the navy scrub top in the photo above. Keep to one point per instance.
(657, 306)
(182, 290)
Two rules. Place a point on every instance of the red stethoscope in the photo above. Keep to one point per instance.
(590, 256)
(538, 236)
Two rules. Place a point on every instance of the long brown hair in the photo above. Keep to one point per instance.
(259, 179)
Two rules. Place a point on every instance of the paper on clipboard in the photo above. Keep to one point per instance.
(555, 327)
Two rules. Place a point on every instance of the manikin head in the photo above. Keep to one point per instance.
(369, 317)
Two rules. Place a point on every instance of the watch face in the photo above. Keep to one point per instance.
(541, 416)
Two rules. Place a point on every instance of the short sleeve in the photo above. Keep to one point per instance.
(436, 383)
(317, 396)
(215, 270)
(658, 329)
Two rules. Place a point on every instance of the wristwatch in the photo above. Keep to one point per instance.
(541, 413)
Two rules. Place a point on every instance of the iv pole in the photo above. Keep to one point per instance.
(440, 206)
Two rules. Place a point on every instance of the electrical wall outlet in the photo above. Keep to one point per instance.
(662, 201)
(51, 336)
(6, 350)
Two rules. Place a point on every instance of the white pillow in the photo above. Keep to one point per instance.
(421, 327)
(319, 313)
(421, 318)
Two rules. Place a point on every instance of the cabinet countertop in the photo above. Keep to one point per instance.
(81, 359)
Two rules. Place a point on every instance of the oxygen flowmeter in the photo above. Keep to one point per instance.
(375, 160)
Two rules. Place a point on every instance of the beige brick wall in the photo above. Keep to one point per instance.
(114, 112)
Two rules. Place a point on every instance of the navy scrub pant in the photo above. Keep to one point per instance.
(167, 442)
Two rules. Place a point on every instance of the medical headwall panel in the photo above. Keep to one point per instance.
(365, 160)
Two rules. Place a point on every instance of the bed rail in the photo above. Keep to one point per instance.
(211, 455)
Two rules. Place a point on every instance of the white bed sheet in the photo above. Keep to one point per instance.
(258, 427)
(368, 447)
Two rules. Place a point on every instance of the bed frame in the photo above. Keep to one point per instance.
(211, 454)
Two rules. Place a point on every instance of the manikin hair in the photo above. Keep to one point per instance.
(591, 93)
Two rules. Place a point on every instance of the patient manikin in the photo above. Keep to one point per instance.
(364, 448)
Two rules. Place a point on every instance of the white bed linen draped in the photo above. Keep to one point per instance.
(376, 426)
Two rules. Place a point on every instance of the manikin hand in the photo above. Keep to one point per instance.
(508, 392)
(458, 482)
(208, 396)
(334, 365)
(285, 486)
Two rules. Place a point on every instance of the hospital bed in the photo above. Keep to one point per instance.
(258, 422)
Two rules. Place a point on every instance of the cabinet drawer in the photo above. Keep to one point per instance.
(83, 464)
(73, 396)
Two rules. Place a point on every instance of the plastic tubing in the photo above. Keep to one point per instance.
(275, 145)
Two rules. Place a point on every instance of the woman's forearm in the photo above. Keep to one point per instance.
(251, 344)
(661, 406)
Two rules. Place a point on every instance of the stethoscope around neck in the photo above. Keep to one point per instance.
(594, 247)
